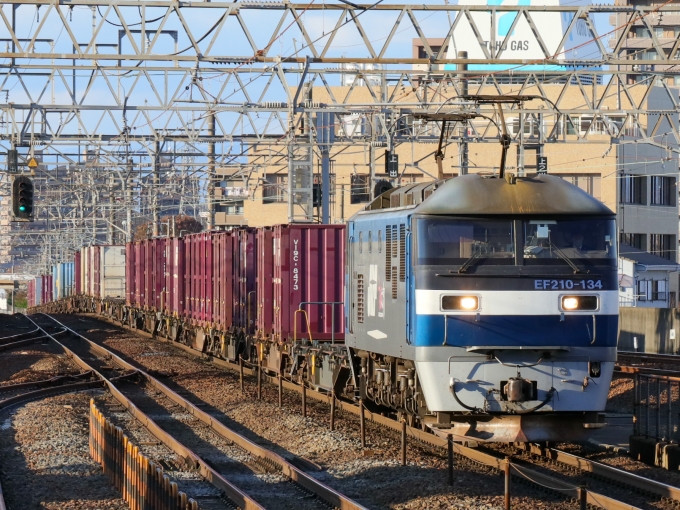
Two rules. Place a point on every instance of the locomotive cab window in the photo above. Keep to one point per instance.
(553, 241)
(443, 241)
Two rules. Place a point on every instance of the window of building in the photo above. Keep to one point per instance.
(662, 245)
(652, 290)
(234, 209)
(590, 183)
(663, 190)
(274, 189)
(644, 290)
(361, 191)
(640, 32)
(646, 55)
(638, 241)
(633, 189)
(530, 125)
(659, 290)
(423, 54)
(572, 125)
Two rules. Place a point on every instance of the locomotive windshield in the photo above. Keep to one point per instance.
(549, 241)
(453, 241)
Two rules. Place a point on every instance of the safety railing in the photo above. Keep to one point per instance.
(141, 481)
(656, 404)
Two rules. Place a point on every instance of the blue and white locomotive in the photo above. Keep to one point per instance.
(485, 308)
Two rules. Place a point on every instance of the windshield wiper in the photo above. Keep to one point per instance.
(469, 261)
(564, 257)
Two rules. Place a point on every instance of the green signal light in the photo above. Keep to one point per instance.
(22, 208)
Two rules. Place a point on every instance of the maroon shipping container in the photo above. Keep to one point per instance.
(96, 270)
(155, 272)
(265, 282)
(139, 274)
(198, 283)
(174, 277)
(30, 293)
(46, 289)
(76, 273)
(130, 274)
(246, 290)
(309, 266)
(223, 278)
(147, 271)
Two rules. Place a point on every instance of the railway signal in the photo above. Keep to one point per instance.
(12, 161)
(22, 198)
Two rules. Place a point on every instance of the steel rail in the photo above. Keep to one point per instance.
(473, 454)
(295, 474)
(239, 497)
(597, 468)
(2, 339)
(43, 382)
(52, 390)
(671, 375)
(28, 341)
(650, 357)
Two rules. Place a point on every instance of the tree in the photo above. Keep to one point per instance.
(183, 225)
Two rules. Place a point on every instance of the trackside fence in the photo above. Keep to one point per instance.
(142, 482)
(656, 407)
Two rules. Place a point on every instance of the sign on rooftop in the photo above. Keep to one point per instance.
(519, 36)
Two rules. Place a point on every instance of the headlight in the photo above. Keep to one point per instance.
(578, 303)
(460, 303)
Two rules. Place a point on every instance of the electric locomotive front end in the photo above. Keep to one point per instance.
(516, 308)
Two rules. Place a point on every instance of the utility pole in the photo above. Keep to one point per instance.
(156, 185)
(110, 238)
(128, 201)
(325, 136)
(463, 150)
(211, 171)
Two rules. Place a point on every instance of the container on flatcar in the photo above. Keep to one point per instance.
(95, 270)
(110, 272)
(30, 293)
(55, 282)
(174, 280)
(309, 266)
(245, 300)
(223, 279)
(77, 283)
(85, 270)
(63, 280)
(130, 274)
(38, 282)
(152, 267)
(265, 282)
(46, 288)
(198, 282)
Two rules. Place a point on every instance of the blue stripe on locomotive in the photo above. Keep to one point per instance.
(529, 330)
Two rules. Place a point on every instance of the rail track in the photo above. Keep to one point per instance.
(222, 455)
(563, 472)
(631, 363)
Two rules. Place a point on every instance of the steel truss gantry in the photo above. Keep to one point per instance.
(120, 79)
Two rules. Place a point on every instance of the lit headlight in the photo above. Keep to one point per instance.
(578, 303)
(460, 303)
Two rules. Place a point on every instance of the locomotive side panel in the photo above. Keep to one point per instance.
(379, 277)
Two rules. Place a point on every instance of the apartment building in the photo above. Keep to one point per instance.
(648, 37)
